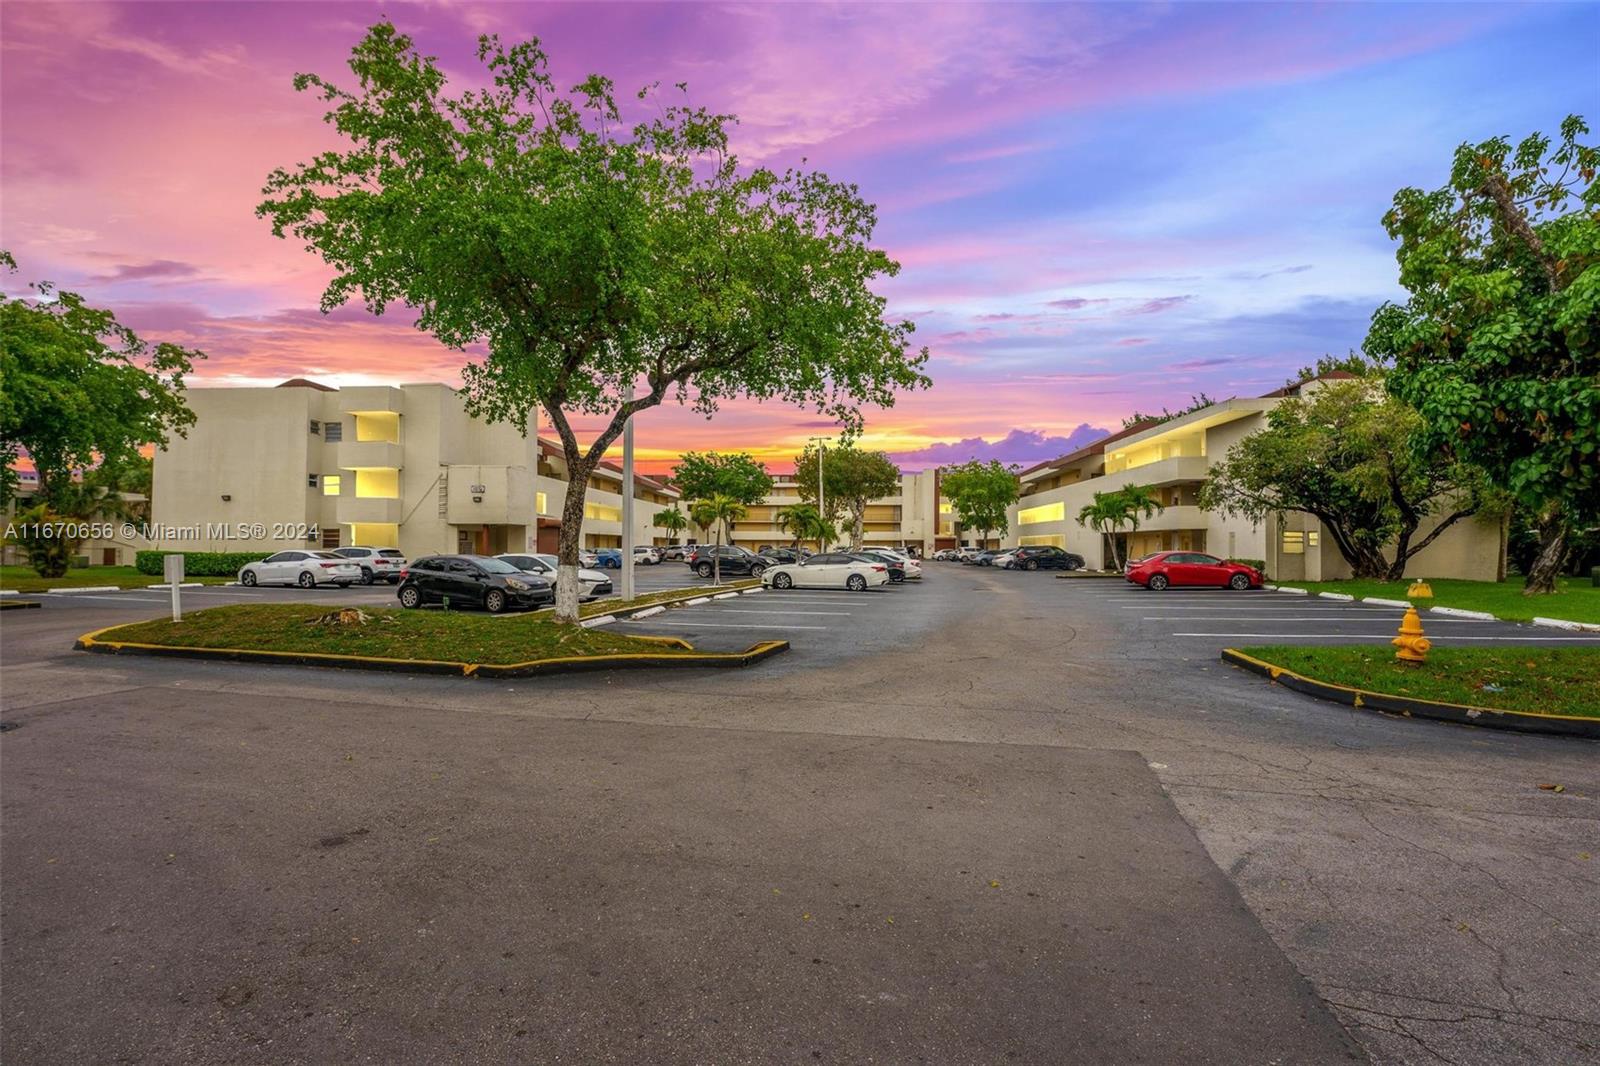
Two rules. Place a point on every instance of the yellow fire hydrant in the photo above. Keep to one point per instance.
(1411, 646)
(1419, 590)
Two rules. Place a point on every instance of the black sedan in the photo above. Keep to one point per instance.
(775, 556)
(729, 560)
(471, 581)
(1045, 557)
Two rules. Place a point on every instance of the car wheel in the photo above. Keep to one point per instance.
(704, 569)
(783, 581)
(1239, 582)
(305, 580)
(495, 601)
(757, 570)
(1033, 564)
(366, 576)
(248, 579)
(856, 583)
(1157, 582)
(410, 597)
(1072, 564)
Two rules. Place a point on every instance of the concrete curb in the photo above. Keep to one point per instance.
(1457, 612)
(1562, 623)
(1290, 591)
(81, 591)
(1345, 596)
(599, 620)
(9, 592)
(1459, 713)
(18, 605)
(181, 585)
(92, 642)
(1387, 603)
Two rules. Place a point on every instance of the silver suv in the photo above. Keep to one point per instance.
(377, 564)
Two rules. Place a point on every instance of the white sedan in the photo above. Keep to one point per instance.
(307, 569)
(595, 584)
(835, 570)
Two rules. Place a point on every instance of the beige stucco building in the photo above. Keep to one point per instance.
(1175, 458)
(402, 466)
(904, 520)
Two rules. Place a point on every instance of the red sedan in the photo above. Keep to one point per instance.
(1192, 569)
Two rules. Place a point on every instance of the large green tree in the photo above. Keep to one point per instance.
(1350, 456)
(596, 258)
(851, 478)
(80, 390)
(981, 494)
(1497, 345)
(734, 474)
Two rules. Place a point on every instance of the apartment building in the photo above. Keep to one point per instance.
(302, 464)
(1174, 458)
(909, 518)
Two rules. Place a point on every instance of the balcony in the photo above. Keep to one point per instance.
(362, 399)
(1174, 471)
(1180, 517)
(368, 509)
(369, 455)
(489, 495)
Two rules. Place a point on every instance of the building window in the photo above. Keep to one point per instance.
(311, 481)
(333, 432)
(1049, 512)
(1294, 542)
(600, 512)
(1055, 540)
(330, 484)
(541, 503)
(1313, 538)
(316, 427)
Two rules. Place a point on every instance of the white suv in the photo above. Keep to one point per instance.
(377, 564)
(646, 554)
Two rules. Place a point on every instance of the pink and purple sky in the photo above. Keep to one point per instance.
(1097, 208)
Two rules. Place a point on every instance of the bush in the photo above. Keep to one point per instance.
(1259, 564)
(197, 564)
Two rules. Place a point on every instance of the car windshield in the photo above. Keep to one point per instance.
(496, 566)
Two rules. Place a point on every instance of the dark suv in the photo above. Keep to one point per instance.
(730, 560)
(1045, 557)
(471, 581)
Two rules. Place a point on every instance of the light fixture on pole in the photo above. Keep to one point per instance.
(627, 499)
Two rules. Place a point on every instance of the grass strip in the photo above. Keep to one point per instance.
(1532, 680)
(23, 579)
(393, 633)
(1575, 601)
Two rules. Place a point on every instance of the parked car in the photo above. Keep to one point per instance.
(1192, 569)
(1002, 559)
(1045, 557)
(831, 570)
(646, 555)
(901, 567)
(945, 555)
(377, 564)
(478, 580)
(307, 569)
(968, 554)
(673, 552)
(589, 557)
(775, 556)
(608, 558)
(730, 560)
(985, 558)
(595, 584)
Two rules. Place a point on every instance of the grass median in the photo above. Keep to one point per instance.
(1576, 601)
(23, 579)
(1533, 680)
(393, 633)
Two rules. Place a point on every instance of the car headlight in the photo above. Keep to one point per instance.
(519, 586)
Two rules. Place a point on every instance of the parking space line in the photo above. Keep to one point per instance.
(740, 610)
(723, 625)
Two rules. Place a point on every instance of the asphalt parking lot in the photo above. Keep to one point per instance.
(569, 867)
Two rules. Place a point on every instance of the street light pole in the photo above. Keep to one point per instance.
(822, 503)
(627, 500)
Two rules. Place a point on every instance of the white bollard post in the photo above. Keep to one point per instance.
(172, 566)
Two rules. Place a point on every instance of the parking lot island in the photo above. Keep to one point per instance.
(433, 642)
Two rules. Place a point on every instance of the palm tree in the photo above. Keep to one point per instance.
(1138, 501)
(1110, 511)
(672, 520)
(716, 510)
(805, 522)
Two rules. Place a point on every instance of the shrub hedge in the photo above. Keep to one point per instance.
(197, 564)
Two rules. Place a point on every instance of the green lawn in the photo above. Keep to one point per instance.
(1540, 680)
(394, 633)
(1578, 600)
(23, 579)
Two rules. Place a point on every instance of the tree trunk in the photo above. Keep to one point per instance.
(567, 584)
(716, 559)
(1552, 557)
(857, 517)
(1402, 553)
(1363, 562)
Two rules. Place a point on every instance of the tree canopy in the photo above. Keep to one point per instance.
(980, 494)
(1348, 455)
(81, 390)
(593, 258)
(1109, 512)
(1497, 345)
(851, 478)
(734, 474)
